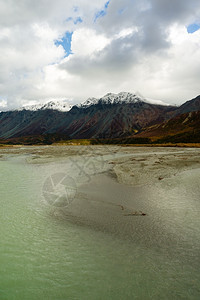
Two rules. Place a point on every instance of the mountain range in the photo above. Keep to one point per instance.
(114, 116)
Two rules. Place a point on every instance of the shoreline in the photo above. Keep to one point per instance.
(87, 143)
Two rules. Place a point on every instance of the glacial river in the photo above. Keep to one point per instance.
(45, 255)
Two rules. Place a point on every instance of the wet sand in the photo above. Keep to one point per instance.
(119, 189)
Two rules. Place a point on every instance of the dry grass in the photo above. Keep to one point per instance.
(188, 145)
(9, 146)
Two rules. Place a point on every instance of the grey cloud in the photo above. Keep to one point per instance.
(176, 10)
(117, 57)
(153, 21)
(153, 37)
(124, 62)
(28, 11)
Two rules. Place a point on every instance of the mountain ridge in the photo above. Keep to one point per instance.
(109, 98)
(110, 117)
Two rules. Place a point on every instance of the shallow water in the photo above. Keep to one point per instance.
(91, 249)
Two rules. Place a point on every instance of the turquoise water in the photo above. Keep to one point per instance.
(45, 256)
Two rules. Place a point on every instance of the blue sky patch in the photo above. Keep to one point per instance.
(66, 43)
(78, 20)
(193, 27)
(76, 8)
(102, 12)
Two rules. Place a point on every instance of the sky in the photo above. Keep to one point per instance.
(77, 49)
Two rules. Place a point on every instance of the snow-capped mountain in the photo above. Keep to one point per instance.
(88, 102)
(110, 98)
(123, 97)
(123, 115)
(54, 105)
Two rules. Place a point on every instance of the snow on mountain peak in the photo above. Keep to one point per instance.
(111, 98)
(54, 105)
(122, 97)
(88, 102)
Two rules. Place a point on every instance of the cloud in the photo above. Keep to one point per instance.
(86, 41)
(76, 49)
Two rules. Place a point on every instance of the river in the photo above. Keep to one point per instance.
(102, 251)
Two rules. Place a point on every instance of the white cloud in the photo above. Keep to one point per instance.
(137, 45)
(126, 32)
(3, 104)
(86, 42)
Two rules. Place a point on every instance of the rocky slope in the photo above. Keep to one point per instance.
(183, 128)
(108, 117)
(112, 116)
